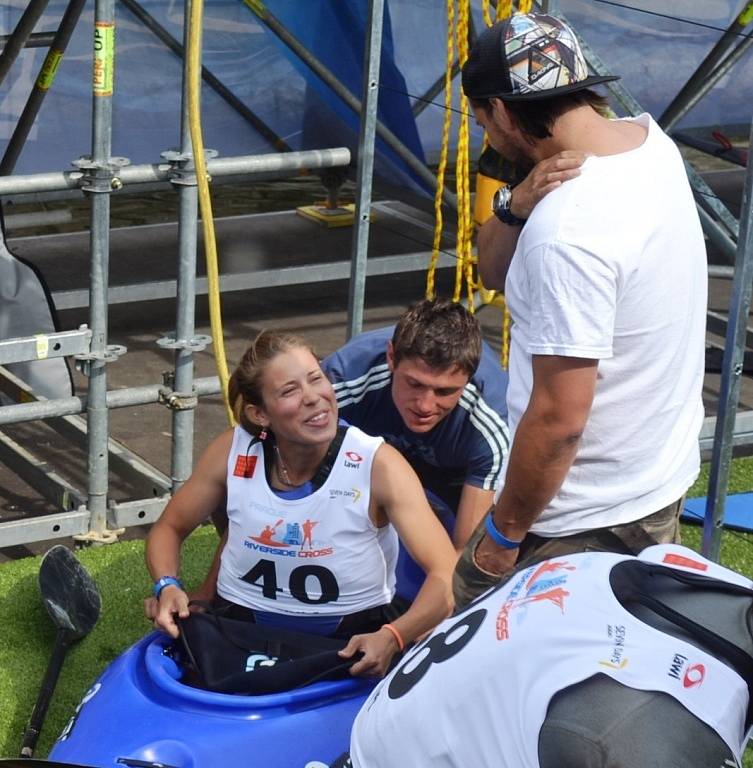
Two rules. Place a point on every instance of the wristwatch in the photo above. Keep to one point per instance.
(501, 207)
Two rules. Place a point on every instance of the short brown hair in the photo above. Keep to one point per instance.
(245, 384)
(536, 118)
(442, 333)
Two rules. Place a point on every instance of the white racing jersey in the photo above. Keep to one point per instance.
(476, 693)
(318, 555)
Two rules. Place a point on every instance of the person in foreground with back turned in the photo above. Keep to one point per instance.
(589, 660)
(315, 510)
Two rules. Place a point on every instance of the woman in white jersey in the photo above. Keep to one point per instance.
(315, 510)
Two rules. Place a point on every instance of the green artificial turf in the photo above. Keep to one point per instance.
(27, 633)
(737, 547)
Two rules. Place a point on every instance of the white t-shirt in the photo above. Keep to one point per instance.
(476, 692)
(611, 266)
(317, 555)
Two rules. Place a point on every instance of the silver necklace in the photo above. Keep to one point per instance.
(282, 471)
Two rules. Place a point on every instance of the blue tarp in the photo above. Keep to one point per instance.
(738, 511)
(654, 53)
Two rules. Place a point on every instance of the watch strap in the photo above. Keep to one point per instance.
(505, 215)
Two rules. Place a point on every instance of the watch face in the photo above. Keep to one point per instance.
(501, 207)
(501, 199)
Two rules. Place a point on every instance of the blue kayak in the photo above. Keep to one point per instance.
(139, 714)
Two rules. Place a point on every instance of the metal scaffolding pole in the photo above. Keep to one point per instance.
(183, 340)
(35, 40)
(717, 234)
(20, 35)
(99, 187)
(42, 84)
(705, 85)
(372, 55)
(116, 398)
(732, 370)
(145, 174)
(688, 94)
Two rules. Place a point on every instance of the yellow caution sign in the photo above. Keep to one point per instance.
(104, 58)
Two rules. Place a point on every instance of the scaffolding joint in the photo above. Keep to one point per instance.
(100, 177)
(178, 401)
(110, 354)
(107, 536)
(196, 344)
(182, 169)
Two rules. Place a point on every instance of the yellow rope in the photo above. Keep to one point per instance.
(466, 276)
(506, 323)
(205, 202)
(438, 220)
(461, 158)
(504, 9)
(476, 287)
(486, 13)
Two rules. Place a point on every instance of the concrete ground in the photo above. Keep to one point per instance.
(316, 310)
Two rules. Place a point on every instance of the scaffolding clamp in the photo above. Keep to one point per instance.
(106, 536)
(182, 168)
(196, 344)
(100, 177)
(110, 354)
(178, 401)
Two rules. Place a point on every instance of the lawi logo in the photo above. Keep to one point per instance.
(352, 459)
(694, 676)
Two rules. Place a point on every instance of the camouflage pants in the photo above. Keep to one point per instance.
(662, 527)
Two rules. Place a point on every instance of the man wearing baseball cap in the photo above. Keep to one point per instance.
(601, 257)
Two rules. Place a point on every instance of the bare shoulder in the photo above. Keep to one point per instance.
(389, 459)
(392, 477)
(215, 456)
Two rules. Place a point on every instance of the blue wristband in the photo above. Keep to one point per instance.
(493, 533)
(166, 581)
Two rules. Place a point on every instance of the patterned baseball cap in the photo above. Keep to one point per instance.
(528, 56)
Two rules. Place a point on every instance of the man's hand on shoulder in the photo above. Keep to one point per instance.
(546, 176)
(496, 242)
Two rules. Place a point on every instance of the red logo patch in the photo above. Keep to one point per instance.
(244, 466)
(685, 562)
(694, 676)
(353, 456)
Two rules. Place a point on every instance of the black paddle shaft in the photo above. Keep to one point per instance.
(31, 734)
